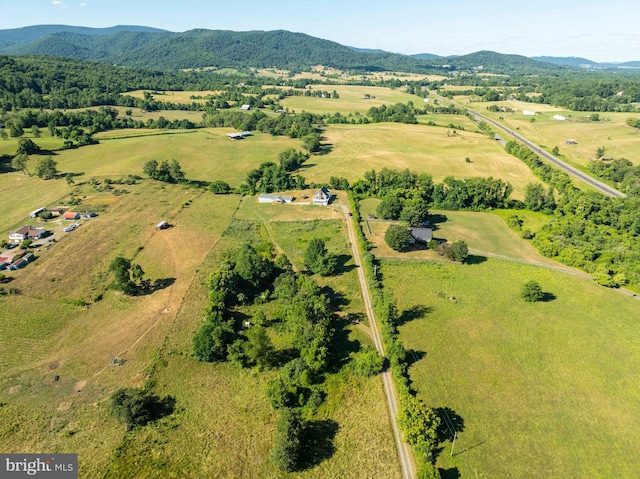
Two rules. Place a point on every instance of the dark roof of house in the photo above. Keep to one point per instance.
(322, 193)
(422, 234)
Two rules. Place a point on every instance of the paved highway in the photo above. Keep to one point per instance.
(598, 185)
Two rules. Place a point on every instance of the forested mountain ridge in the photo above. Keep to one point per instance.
(201, 48)
(215, 48)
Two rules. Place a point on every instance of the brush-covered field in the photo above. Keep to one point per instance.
(542, 389)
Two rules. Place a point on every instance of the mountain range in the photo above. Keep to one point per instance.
(158, 49)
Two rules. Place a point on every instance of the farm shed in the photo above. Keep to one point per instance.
(422, 235)
(239, 136)
(274, 198)
(245, 107)
(559, 117)
(163, 225)
(35, 213)
(71, 215)
(18, 264)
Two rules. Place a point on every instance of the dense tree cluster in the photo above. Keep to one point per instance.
(531, 292)
(398, 113)
(398, 238)
(128, 275)
(137, 407)
(318, 259)
(167, 171)
(270, 177)
(554, 177)
(621, 172)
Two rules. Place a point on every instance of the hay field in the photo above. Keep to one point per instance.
(204, 154)
(542, 389)
(359, 148)
(175, 96)
(351, 99)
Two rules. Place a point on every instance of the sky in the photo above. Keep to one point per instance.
(602, 31)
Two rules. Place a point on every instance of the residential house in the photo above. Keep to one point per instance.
(322, 196)
(26, 232)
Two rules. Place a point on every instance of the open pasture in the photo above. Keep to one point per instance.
(611, 131)
(546, 388)
(359, 148)
(46, 332)
(204, 154)
(351, 99)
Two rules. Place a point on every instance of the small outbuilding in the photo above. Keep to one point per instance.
(71, 215)
(422, 235)
(35, 213)
(559, 117)
(245, 107)
(571, 142)
(529, 113)
(239, 135)
(163, 225)
(274, 198)
(18, 264)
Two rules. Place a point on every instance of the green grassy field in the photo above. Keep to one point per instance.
(358, 148)
(484, 233)
(204, 155)
(544, 389)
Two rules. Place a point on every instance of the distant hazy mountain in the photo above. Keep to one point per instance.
(368, 50)
(570, 61)
(425, 56)
(499, 63)
(585, 63)
(14, 36)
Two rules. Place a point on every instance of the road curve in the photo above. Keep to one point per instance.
(402, 447)
(598, 185)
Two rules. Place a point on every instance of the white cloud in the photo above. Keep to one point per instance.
(58, 3)
(83, 4)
